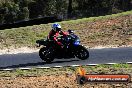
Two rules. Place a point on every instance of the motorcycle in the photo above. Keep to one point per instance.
(71, 48)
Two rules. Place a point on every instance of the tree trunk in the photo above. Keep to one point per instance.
(129, 5)
(69, 12)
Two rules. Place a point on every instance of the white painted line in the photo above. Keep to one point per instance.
(42, 67)
(7, 69)
(75, 65)
(62, 66)
(25, 68)
(111, 63)
(57, 66)
(129, 62)
(91, 64)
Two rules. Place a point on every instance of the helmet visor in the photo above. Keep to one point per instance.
(58, 29)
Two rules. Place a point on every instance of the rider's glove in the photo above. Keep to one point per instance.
(60, 44)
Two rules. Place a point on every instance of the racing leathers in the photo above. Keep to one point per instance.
(53, 36)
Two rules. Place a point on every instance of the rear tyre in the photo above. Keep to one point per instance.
(46, 54)
(82, 53)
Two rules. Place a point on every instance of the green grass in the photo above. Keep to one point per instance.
(26, 36)
(97, 18)
(106, 69)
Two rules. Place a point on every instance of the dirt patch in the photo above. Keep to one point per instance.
(116, 31)
(58, 81)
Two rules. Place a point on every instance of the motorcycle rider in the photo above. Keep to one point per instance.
(55, 32)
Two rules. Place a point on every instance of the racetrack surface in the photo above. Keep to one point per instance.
(97, 56)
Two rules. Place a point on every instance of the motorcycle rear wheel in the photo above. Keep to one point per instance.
(46, 55)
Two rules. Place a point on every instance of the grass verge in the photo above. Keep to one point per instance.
(98, 69)
(112, 29)
(64, 77)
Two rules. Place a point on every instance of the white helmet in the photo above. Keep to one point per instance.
(56, 27)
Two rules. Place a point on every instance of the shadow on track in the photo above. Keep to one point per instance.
(35, 64)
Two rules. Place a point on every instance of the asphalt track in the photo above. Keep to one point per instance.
(97, 56)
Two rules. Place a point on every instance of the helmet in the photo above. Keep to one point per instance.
(56, 27)
(71, 31)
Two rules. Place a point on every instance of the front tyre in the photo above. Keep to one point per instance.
(82, 53)
(46, 54)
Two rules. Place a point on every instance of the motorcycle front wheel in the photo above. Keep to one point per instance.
(81, 52)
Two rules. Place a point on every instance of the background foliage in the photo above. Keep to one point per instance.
(18, 10)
